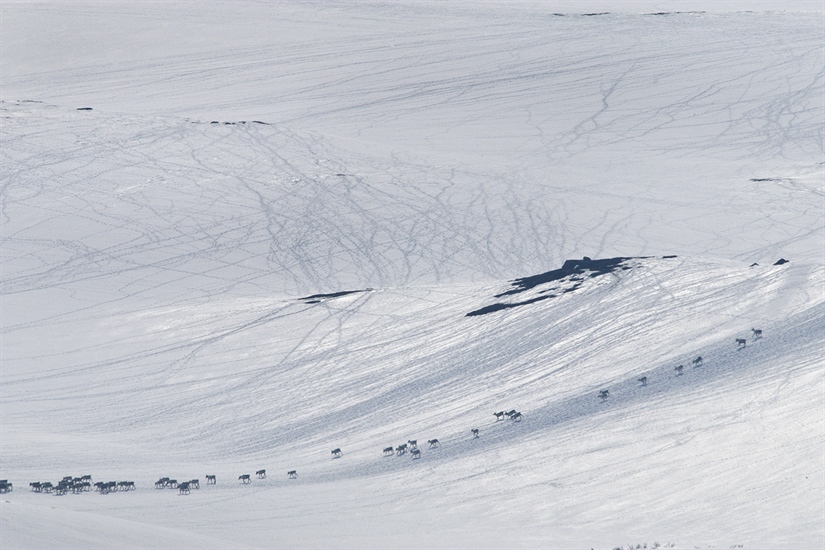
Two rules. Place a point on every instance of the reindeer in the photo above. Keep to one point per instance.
(741, 342)
(195, 483)
(757, 333)
(433, 443)
(516, 417)
(499, 415)
(244, 478)
(698, 361)
(184, 488)
(643, 380)
(604, 394)
(413, 443)
(337, 453)
(401, 449)
(679, 370)
(416, 454)
(211, 480)
(261, 474)
(292, 474)
(388, 451)
(474, 431)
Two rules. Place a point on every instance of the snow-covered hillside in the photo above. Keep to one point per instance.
(237, 236)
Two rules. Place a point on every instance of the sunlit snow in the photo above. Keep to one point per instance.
(235, 236)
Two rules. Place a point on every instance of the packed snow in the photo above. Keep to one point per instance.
(236, 236)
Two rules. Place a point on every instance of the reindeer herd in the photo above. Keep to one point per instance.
(81, 484)
(698, 361)
(84, 483)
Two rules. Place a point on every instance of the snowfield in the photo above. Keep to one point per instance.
(235, 236)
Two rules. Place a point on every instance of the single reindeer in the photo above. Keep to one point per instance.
(757, 333)
(416, 454)
(474, 431)
(604, 394)
(433, 443)
(698, 361)
(337, 453)
(679, 370)
(741, 342)
(413, 443)
(293, 474)
(499, 415)
(389, 451)
(643, 380)
(211, 480)
(261, 474)
(245, 478)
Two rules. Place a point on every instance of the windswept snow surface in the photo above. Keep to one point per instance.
(262, 236)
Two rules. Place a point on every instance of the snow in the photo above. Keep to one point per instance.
(264, 239)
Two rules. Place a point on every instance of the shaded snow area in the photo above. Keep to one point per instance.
(236, 237)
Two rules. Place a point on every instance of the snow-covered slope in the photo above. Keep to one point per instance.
(287, 228)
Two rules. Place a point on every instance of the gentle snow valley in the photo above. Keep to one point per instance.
(235, 236)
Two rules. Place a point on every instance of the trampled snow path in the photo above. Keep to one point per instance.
(155, 268)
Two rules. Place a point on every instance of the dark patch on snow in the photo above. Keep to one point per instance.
(765, 179)
(595, 14)
(572, 272)
(317, 298)
(669, 257)
(570, 267)
(676, 13)
(781, 261)
(499, 306)
(236, 122)
(85, 109)
(754, 264)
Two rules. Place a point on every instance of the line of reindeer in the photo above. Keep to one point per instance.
(698, 361)
(82, 484)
